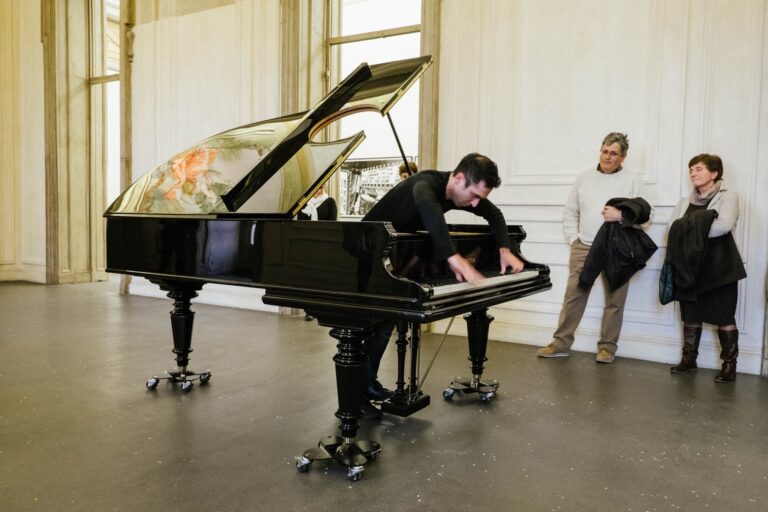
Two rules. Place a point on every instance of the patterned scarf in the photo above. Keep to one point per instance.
(698, 199)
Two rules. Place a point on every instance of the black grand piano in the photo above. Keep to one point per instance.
(222, 212)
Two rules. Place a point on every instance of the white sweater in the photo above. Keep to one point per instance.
(582, 216)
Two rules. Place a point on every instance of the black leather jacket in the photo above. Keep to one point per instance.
(619, 249)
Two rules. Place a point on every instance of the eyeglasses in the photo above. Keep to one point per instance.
(613, 154)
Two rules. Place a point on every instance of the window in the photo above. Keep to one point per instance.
(375, 31)
(105, 95)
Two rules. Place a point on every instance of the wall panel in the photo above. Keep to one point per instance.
(22, 166)
(31, 158)
(8, 112)
(536, 85)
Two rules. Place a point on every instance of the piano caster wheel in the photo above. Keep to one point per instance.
(373, 455)
(486, 397)
(205, 377)
(186, 386)
(303, 464)
(152, 383)
(355, 473)
(448, 393)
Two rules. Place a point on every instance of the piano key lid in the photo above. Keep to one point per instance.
(270, 168)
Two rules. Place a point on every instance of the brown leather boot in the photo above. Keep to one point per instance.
(691, 338)
(729, 351)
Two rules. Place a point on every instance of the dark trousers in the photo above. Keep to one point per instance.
(375, 345)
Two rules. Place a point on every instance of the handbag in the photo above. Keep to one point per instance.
(667, 283)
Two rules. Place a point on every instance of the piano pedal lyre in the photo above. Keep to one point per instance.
(407, 397)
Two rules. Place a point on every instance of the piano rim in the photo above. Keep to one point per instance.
(427, 298)
(429, 313)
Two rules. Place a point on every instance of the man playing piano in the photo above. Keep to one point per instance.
(419, 203)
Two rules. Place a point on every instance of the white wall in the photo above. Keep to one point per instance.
(195, 75)
(536, 85)
(22, 148)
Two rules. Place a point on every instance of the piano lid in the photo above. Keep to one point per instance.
(269, 168)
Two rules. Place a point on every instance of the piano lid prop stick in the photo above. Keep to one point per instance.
(400, 146)
(434, 356)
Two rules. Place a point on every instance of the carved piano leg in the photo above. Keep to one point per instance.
(477, 335)
(406, 400)
(350, 363)
(182, 320)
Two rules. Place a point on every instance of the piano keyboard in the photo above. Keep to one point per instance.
(444, 285)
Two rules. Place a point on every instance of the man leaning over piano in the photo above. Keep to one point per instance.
(419, 203)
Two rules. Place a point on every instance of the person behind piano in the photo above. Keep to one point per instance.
(585, 212)
(419, 203)
(406, 172)
(320, 207)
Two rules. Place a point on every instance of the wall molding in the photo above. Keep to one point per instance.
(648, 348)
(30, 273)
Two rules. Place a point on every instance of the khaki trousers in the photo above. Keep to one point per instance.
(575, 302)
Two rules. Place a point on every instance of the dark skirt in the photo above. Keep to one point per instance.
(716, 307)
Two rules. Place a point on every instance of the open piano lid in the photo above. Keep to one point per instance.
(269, 168)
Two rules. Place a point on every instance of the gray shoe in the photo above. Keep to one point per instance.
(605, 357)
(552, 351)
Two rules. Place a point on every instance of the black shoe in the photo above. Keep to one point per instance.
(375, 391)
(308, 318)
(370, 411)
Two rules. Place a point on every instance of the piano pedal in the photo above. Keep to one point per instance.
(184, 377)
(405, 403)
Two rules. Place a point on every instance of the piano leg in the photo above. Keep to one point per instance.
(182, 320)
(350, 363)
(477, 337)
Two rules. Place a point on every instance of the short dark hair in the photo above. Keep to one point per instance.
(712, 162)
(410, 170)
(617, 138)
(476, 168)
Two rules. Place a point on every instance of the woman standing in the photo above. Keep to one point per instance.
(706, 263)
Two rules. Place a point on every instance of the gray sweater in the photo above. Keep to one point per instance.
(725, 202)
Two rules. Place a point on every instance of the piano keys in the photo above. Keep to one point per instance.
(222, 212)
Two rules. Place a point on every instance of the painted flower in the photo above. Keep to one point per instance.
(190, 172)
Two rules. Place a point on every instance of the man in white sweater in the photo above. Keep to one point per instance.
(585, 211)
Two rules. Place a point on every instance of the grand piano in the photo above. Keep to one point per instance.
(223, 212)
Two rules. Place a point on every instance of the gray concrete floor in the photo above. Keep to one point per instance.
(79, 431)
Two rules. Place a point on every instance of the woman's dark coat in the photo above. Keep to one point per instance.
(701, 247)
